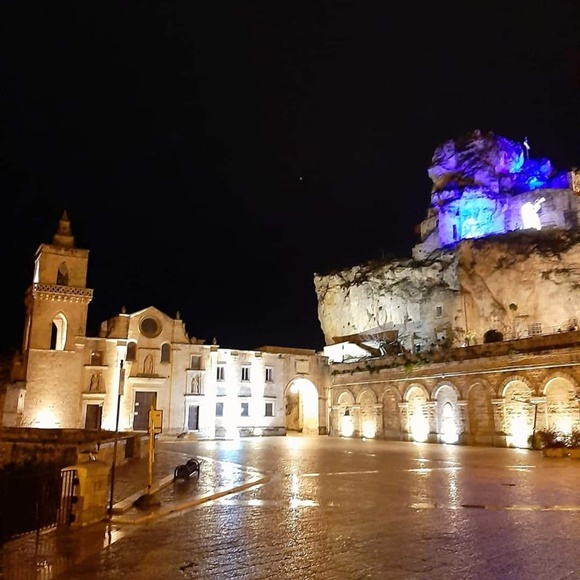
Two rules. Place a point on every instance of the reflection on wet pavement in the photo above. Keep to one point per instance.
(49, 555)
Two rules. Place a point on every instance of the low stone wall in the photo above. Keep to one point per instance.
(262, 431)
(64, 446)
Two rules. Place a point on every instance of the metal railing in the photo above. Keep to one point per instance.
(29, 499)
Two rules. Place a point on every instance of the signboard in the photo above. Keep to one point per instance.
(122, 380)
(156, 420)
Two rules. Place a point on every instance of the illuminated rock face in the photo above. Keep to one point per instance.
(498, 251)
(519, 284)
(381, 298)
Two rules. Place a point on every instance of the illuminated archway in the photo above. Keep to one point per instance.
(447, 420)
(368, 415)
(481, 424)
(302, 407)
(418, 415)
(519, 412)
(346, 414)
(561, 410)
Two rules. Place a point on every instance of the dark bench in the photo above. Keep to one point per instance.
(186, 470)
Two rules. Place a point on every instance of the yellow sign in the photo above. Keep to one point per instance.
(156, 420)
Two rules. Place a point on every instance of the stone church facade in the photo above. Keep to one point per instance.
(63, 378)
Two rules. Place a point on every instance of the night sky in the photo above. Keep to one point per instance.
(213, 156)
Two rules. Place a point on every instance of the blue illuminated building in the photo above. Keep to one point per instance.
(484, 184)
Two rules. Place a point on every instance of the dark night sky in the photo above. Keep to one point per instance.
(213, 156)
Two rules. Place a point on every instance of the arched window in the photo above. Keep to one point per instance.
(58, 334)
(166, 352)
(131, 351)
(96, 358)
(62, 275)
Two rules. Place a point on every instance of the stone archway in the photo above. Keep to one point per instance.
(448, 426)
(302, 407)
(418, 416)
(519, 412)
(368, 415)
(561, 409)
(346, 414)
(391, 414)
(480, 417)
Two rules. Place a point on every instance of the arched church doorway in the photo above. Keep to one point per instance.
(302, 403)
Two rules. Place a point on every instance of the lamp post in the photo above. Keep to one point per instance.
(119, 395)
(536, 403)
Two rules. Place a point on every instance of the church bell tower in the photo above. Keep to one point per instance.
(54, 333)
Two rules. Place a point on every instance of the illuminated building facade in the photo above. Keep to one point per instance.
(485, 185)
(64, 378)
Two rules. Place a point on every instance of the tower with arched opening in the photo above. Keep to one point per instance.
(54, 331)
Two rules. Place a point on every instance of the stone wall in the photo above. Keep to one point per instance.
(64, 446)
(497, 398)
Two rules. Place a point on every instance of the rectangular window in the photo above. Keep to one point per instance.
(269, 410)
(245, 373)
(269, 374)
(96, 358)
(535, 329)
(219, 409)
(245, 410)
(439, 311)
(221, 373)
(195, 363)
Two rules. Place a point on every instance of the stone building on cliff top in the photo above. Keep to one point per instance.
(474, 338)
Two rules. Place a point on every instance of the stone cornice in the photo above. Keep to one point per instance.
(61, 293)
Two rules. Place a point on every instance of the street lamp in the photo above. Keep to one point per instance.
(119, 395)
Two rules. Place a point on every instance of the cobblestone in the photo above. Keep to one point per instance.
(332, 509)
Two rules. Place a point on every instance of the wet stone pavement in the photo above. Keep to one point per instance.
(51, 553)
(319, 508)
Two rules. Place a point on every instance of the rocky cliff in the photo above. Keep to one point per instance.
(518, 284)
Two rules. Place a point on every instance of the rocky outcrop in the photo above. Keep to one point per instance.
(519, 284)
(378, 297)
